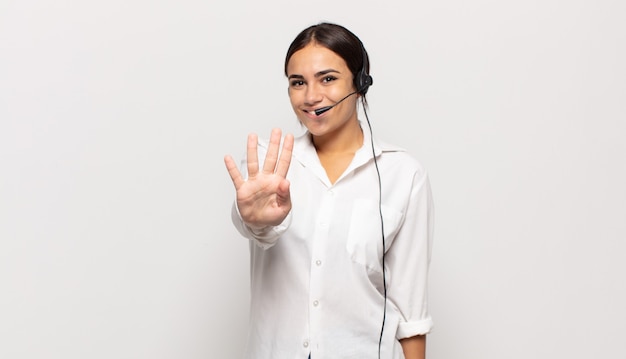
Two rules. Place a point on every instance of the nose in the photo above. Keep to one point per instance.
(313, 95)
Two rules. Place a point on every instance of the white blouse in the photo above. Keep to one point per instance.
(316, 279)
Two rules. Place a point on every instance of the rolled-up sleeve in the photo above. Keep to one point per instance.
(408, 261)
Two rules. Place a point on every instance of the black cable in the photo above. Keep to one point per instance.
(382, 228)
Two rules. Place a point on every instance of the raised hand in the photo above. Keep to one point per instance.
(263, 199)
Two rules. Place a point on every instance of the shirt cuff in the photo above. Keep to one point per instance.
(411, 329)
(264, 237)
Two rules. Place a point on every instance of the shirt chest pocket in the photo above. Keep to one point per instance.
(365, 241)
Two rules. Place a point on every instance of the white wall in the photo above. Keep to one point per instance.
(115, 237)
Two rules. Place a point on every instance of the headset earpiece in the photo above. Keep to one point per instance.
(363, 80)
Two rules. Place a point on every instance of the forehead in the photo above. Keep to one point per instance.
(313, 58)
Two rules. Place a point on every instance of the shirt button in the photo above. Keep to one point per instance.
(331, 193)
(318, 262)
(316, 303)
(305, 344)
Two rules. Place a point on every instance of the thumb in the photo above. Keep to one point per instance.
(283, 189)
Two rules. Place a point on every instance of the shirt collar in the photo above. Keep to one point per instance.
(304, 151)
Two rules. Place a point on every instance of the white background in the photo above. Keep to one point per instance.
(115, 235)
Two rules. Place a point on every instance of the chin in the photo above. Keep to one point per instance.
(314, 127)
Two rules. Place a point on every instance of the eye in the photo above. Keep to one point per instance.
(296, 83)
(329, 79)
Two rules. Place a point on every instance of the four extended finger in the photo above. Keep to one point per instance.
(252, 155)
(272, 151)
(233, 171)
(285, 156)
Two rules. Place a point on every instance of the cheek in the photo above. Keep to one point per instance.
(338, 92)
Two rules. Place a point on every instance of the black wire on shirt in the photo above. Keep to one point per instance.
(382, 226)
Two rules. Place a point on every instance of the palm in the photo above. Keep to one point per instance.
(263, 199)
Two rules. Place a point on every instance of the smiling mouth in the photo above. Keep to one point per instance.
(312, 112)
(319, 111)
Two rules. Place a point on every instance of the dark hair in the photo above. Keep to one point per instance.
(339, 40)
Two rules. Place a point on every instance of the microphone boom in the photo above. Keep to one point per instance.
(320, 111)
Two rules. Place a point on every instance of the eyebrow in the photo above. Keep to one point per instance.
(318, 74)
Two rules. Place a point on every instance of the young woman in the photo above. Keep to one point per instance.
(318, 211)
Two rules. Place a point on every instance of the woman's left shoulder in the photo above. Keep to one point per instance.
(394, 154)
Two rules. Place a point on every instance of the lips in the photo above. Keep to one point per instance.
(311, 112)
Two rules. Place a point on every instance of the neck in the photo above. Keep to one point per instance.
(348, 140)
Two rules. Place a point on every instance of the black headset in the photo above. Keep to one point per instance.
(362, 79)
